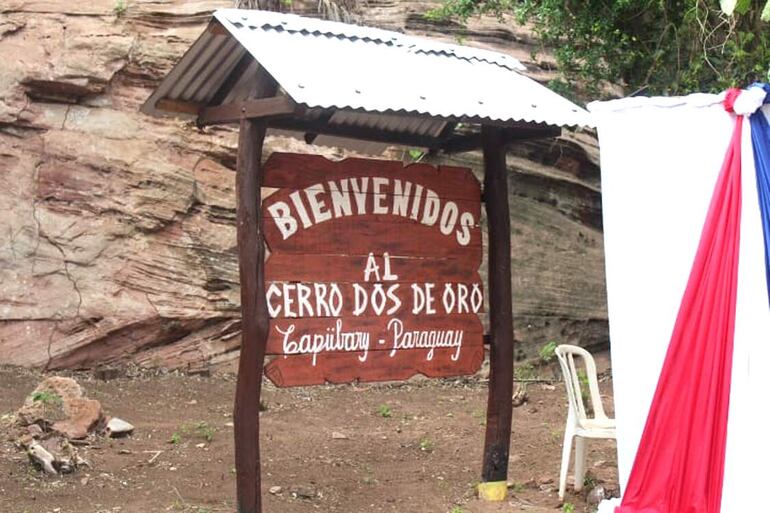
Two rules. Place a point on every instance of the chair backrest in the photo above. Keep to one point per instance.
(576, 383)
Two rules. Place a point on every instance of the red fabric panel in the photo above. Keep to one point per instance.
(730, 96)
(680, 461)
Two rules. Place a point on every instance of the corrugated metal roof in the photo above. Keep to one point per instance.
(328, 65)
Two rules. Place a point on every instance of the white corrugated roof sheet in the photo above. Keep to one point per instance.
(329, 65)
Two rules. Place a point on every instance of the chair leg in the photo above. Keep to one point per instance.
(580, 462)
(565, 454)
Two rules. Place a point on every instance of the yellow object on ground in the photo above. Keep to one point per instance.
(495, 491)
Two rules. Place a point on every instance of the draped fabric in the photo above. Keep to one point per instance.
(680, 460)
(760, 138)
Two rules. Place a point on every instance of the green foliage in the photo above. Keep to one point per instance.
(47, 397)
(524, 371)
(548, 352)
(456, 509)
(120, 8)
(568, 507)
(415, 154)
(645, 46)
(589, 481)
(202, 430)
(426, 445)
(384, 411)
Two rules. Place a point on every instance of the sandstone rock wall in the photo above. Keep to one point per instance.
(117, 236)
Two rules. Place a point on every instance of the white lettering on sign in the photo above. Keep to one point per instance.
(334, 339)
(332, 200)
(281, 297)
(373, 268)
(423, 298)
(424, 339)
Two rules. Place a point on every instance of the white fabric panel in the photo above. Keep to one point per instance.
(748, 446)
(660, 159)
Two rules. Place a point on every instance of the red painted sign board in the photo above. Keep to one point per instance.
(372, 272)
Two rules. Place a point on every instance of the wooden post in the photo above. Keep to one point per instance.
(254, 322)
(499, 407)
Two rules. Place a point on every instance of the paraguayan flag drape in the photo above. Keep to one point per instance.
(686, 202)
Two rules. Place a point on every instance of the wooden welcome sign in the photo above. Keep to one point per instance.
(373, 270)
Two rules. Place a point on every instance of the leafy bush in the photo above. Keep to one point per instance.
(644, 46)
(120, 8)
(548, 352)
(47, 397)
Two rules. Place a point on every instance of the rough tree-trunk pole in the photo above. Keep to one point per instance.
(254, 317)
(499, 407)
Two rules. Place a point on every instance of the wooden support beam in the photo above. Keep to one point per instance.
(216, 28)
(499, 408)
(445, 142)
(178, 106)
(249, 109)
(315, 128)
(471, 142)
(310, 137)
(232, 79)
(254, 315)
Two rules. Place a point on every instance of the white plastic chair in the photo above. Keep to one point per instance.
(579, 425)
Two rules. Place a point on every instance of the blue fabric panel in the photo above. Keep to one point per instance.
(760, 138)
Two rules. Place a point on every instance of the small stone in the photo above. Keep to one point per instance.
(304, 492)
(336, 435)
(275, 490)
(34, 430)
(229, 424)
(117, 427)
(83, 417)
(545, 480)
(519, 397)
(42, 457)
(172, 468)
(193, 402)
(596, 495)
(124, 451)
(84, 481)
(600, 463)
(200, 445)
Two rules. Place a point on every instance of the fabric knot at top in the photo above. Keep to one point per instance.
(746, 101)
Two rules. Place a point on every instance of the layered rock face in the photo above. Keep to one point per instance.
(117, 234)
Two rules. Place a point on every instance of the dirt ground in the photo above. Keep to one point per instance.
(409, 447)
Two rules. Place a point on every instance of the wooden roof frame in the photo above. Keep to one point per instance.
(283, 113)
